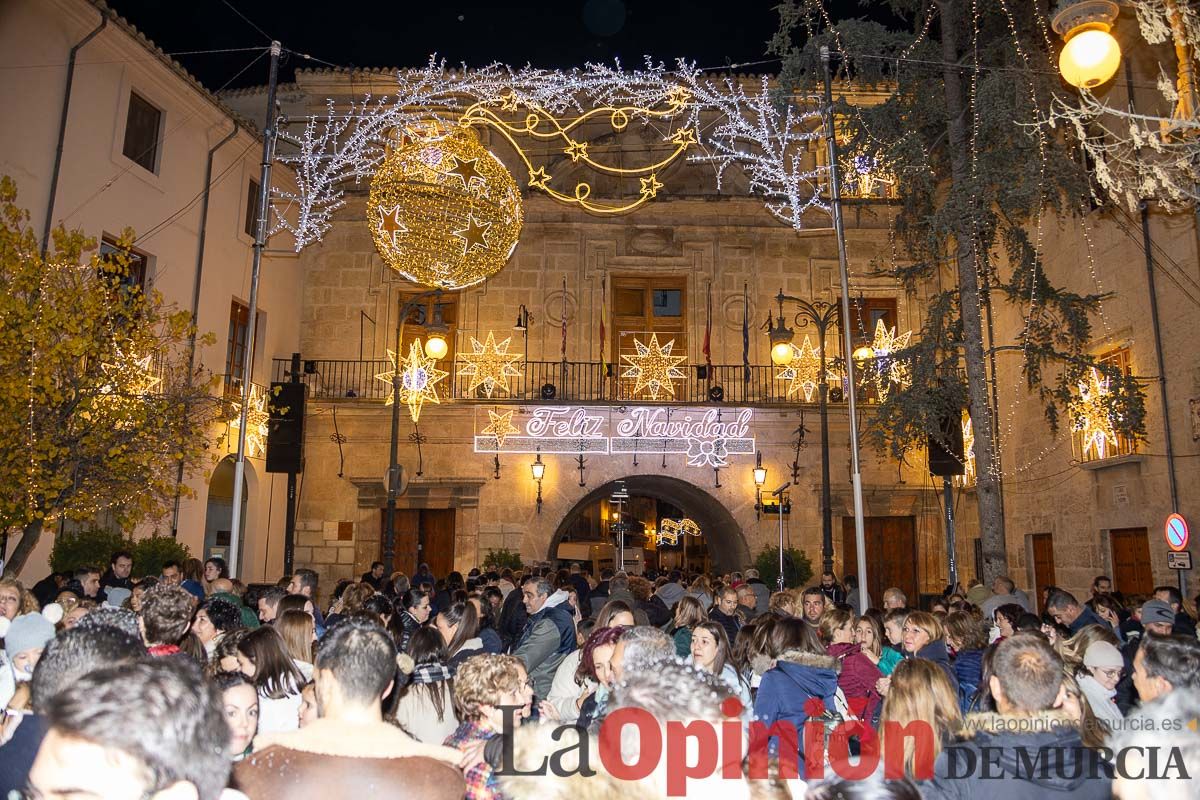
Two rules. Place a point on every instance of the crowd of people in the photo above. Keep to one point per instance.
(192, 685)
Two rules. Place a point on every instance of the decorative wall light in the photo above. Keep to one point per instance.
(760, 478)
(538, 469)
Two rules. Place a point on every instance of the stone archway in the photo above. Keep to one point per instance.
(722, 534)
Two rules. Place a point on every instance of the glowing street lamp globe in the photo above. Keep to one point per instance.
(1091, 55)
(436, 347)
(781, 353)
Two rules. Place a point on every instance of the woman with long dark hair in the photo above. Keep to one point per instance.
(412, 611)
(426, 704)
(263, 657)
(710, 651)
(459, 626)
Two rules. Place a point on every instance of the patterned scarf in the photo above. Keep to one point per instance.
(431, 673)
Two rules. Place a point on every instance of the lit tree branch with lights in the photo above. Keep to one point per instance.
(973, 186)
(98, 402)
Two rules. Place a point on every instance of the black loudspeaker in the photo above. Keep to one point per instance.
(946, 448)
(549, 391)
(716, 393)
(285, 428)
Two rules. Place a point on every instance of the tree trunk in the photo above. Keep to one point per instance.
(987, 489)
(29, 539)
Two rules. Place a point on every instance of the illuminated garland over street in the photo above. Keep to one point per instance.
(730, 126)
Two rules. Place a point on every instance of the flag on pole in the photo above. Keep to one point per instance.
(708, 334)
(745, 333)
(564, 319)
(603, 337)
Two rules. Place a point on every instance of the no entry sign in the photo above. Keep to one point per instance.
(1176, 533)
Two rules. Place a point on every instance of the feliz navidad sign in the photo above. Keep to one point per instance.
(707, 437)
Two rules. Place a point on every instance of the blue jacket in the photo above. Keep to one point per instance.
(788, 689)
(936, 652)
(968, 669)
(1088, 617)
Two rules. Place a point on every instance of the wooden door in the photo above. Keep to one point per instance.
(437, 540)
(1042, 554)
(891, 555)
(408, 528)
(1131, 561)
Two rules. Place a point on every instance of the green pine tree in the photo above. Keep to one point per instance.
(964, 77)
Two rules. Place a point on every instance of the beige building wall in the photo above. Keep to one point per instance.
(100, 191)
(1048, 488)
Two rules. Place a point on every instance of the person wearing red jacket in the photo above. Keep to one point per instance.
(858, 674)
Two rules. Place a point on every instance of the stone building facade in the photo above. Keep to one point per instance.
(1068, 517)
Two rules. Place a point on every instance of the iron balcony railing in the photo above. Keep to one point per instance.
(562, 381)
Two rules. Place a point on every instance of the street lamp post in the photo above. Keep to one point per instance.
(822, 316)
(433, 350)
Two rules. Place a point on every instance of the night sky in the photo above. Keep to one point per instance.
(403, 33)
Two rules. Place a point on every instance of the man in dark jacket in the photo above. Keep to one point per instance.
(1066, 610)
(831, 589)
(375, 577)
(117, 574)
(724, 613)
(1184, 625)
(599, 596)
(548, 636)
(1157, 619)
(1027, 749)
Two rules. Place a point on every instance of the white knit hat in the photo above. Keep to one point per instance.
(1103, 655)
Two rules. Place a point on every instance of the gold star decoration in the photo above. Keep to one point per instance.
(804, 371)
(464, 169)
(474, 235)
(509, 101)
(653, 368)
(968, 433)
(419, 377)
(135, 377)
(501, 426)
(650, 186)
(677, 98)
(684, 137)
(1090, 417)
(489, 365)
(538, 178)
(884, 370)
(391, 224)
(576, 150)
(256, 422)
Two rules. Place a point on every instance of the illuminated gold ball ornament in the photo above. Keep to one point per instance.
(444, 212)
